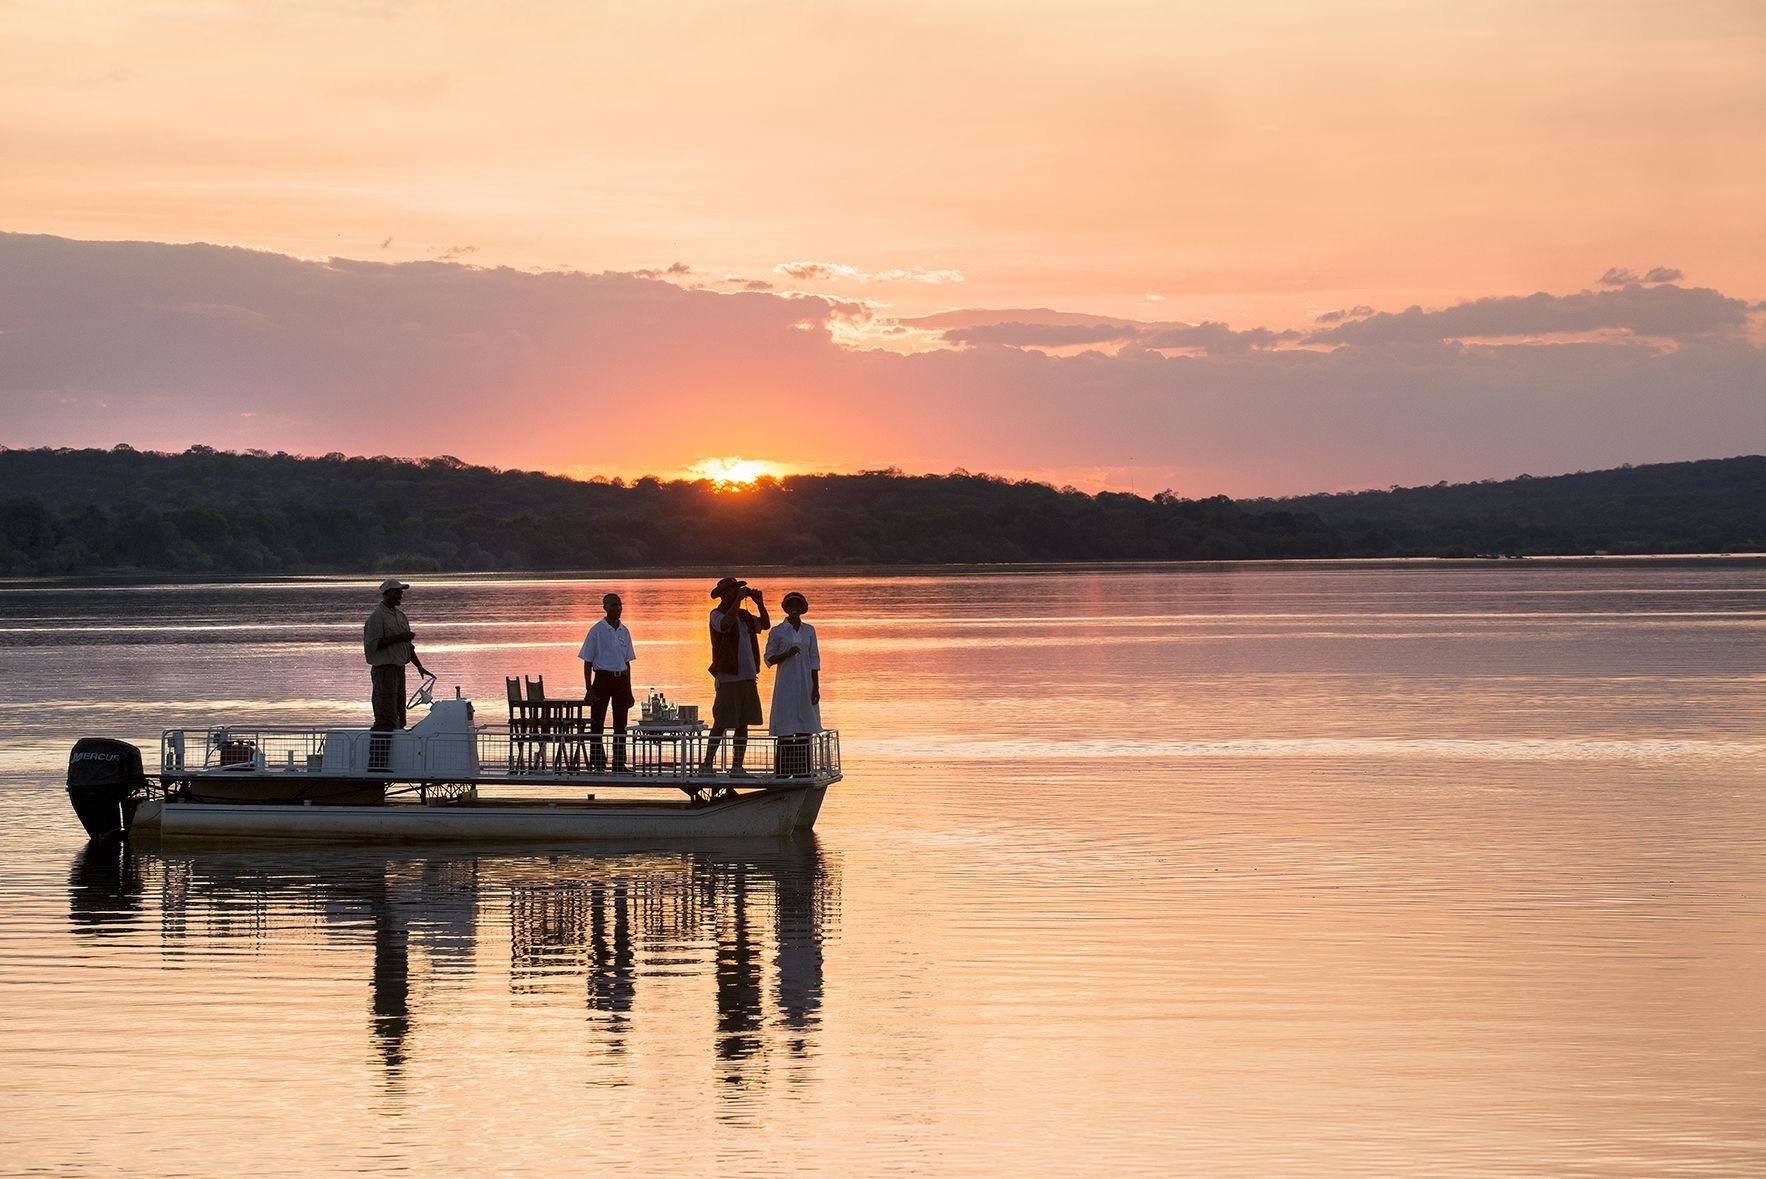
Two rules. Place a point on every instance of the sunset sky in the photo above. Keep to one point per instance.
(1115, 244)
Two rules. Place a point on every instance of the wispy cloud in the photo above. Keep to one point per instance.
(808, 271)
(1041, 335)
(1622, 276)
(841, 272)
(672, 270)
(1211, 336)
(1216, 338)
(919, 274)
(1663, 310)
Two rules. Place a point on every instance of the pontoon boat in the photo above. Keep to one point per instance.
(448, 778)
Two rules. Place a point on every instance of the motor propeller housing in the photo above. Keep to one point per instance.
(105, 781)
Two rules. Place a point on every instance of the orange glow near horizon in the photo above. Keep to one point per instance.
(733, 473)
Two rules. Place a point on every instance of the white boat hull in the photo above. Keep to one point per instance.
(764, 813)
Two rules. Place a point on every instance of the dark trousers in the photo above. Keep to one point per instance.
(615, 688)
(389, 711)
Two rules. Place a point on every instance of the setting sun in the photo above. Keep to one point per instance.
(732, 472)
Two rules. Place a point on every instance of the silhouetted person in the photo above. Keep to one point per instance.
(387, 641)
(797, 925)
(607, 679)
(738, 972)
(796, 660)
(735, 665)
(390, 981)
(613, 976)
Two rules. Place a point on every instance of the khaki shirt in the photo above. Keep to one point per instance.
(383, 622)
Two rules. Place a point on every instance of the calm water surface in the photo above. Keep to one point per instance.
(1241, 870)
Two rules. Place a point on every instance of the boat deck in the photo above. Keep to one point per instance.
(316, 761)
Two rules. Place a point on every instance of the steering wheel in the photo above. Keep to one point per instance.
(424, 696)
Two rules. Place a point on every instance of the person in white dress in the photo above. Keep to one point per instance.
(796, 660)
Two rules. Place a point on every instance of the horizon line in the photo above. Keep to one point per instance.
(627, 481)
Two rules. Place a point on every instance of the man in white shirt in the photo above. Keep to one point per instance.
(607, 677)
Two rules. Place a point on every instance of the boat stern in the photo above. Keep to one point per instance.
(105, 784)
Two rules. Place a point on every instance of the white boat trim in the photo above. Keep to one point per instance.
(761, 813)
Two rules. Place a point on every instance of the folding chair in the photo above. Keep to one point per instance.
(517, 726)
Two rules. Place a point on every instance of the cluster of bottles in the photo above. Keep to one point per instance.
(657, 707)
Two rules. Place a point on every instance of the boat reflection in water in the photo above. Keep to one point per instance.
(749, 906)
(605, 921)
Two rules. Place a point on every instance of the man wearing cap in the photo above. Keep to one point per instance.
(735, 665)
(387, 642)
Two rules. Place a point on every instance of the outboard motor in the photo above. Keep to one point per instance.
(105, 782)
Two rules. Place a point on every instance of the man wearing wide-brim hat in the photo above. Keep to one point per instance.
(735, 665)
(388, 643)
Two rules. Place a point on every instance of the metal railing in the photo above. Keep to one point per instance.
(664, 754)
(496, 753)
(247, 747)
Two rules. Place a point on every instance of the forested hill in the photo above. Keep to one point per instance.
(204, 511)
(1710, 506)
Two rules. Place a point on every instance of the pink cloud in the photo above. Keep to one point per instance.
(1664, 310)
(163, 346)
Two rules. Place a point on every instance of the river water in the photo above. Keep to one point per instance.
(1290, 868)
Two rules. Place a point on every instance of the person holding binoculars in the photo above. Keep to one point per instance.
(735, 665)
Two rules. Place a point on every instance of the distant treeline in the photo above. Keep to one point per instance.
(1710, 506)
(210, 512)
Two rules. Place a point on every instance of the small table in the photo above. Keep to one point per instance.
(663, 747)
